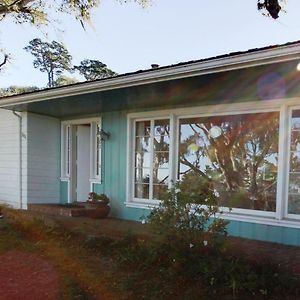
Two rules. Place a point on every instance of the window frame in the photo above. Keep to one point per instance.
(132, 159)
(66, 175)
(201, 111)
(287, 215)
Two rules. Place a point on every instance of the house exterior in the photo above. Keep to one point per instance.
(229, 123)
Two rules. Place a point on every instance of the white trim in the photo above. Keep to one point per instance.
(172, 152)
(215, 110)
(174, 115)
(282, 169)
(231, 216)
(288, 156)
(219, 64)
(69, 177)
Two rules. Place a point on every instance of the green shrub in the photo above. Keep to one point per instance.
(184, 225)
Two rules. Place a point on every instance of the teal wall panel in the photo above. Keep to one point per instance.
(113, 184)
(98, 188)
(269, 233)
(64, 191)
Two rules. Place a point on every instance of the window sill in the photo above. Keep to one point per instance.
(95, 180)
(142, 205)
(230, 216)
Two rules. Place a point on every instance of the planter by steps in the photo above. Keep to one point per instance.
(96, 210)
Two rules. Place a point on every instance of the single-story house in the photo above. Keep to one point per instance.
(229, 123)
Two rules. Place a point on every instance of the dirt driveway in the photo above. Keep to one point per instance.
(26, 276)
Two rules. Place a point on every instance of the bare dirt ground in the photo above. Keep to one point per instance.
(26, 276)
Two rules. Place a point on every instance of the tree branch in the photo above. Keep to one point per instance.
(4, 61)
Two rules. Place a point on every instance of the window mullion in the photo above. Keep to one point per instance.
(172, 151)
(151, 159)
(283, 162)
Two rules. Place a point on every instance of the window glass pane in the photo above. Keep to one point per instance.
(159, 191)
(161, 143)
(141, 191)
(295, 162)
(161, 127)
(142, 175)
(295, 141)
(143, 128)
(236, 155)
(294, 186)
(142, 160)
(161, 176)
(294, 175)
(161, 160)
(294, 204)
(296, 120)
(142, 144)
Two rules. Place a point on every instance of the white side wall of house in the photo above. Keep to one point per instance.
(43, 159)
(9, 159)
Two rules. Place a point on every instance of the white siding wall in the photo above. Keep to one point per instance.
(43, 159)
(9, 159)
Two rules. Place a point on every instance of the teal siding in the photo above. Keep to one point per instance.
(113, 184)
(64, 191)
(276, 234)
(98, 188)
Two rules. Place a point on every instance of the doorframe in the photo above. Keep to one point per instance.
(68, 176)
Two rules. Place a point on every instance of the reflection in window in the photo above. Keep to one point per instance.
(236, 155)
(294, 174)
(152, 144)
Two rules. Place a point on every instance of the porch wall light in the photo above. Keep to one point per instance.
(104, 136)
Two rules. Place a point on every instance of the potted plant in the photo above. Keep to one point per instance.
(97, 205)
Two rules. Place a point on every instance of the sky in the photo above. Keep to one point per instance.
(128, 38)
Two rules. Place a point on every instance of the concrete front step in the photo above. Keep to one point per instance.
(57, 210)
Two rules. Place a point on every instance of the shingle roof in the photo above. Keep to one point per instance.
(228, 55)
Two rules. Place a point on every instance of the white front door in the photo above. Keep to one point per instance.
(83, 162)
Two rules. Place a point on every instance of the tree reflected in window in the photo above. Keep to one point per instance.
(235, 155)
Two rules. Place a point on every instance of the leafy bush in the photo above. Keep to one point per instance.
(185, 225)
(189, 259)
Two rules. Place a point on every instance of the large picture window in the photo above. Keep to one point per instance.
(249, 156)
(294, 170)
(235, 155)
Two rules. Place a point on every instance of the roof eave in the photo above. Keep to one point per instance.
(245, 60)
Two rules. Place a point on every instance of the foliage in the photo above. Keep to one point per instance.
(52, 58)
(271, 6)
(15, 90)
(240, 161)
(94, 69)
(38, 11)
(65, 80)
(94, 197)
(188, 220)
(136, 268)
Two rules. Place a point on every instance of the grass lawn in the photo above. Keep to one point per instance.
(112, 266)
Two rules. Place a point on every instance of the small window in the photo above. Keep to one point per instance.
(151, 158)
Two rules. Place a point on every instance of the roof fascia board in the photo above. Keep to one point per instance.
(244, 60)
